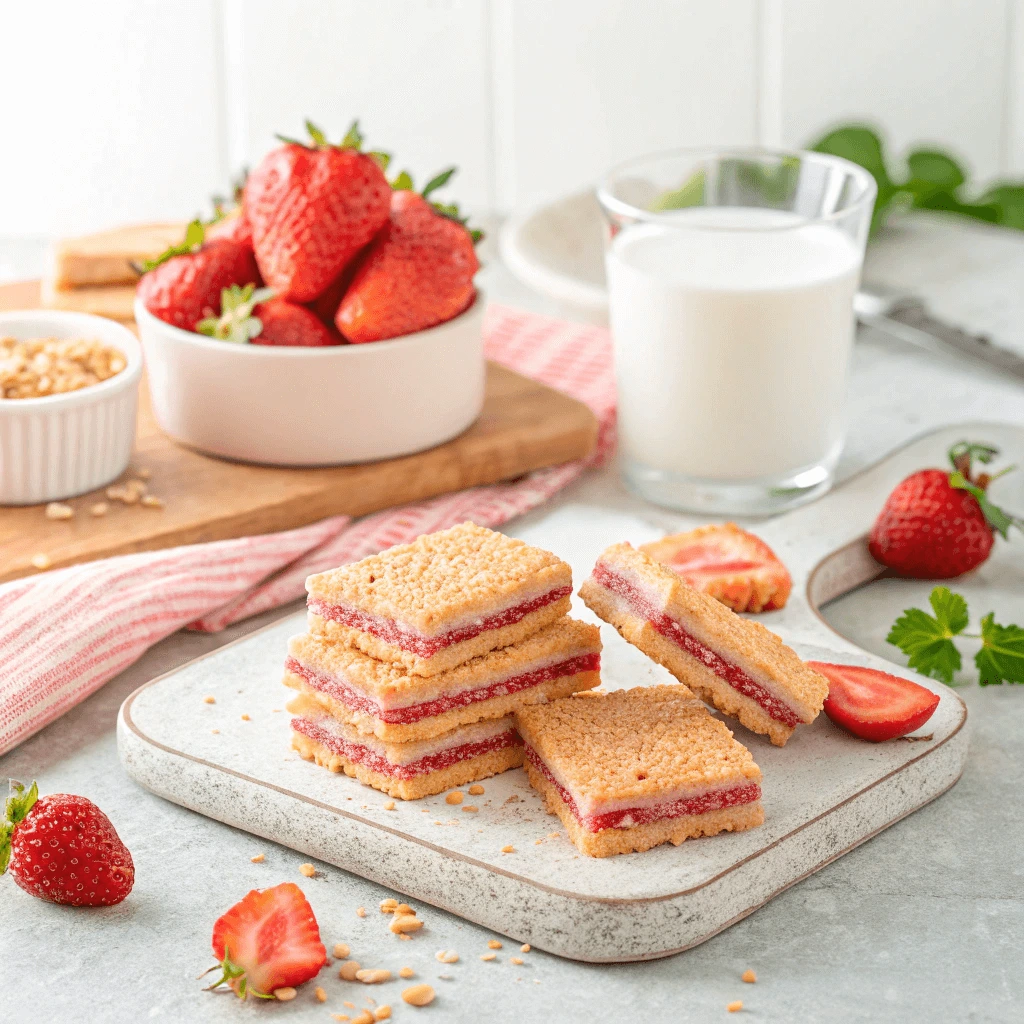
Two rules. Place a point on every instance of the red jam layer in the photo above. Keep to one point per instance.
(397, 635)
(352, 698)
(362, 755)
(713, 800)
(672, 630)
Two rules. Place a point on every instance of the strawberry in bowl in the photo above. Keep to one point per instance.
(245, 325)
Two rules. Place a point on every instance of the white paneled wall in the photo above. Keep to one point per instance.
(122, 110)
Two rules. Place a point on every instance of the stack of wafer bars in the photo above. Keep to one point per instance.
(98, 273)
(417, 658)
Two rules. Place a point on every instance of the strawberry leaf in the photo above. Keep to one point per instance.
(403, 183)
(353, 137)
(383, 159)
(927, 640)
(997, 518)
(236, 322)
(194, 235)
(1001, 658)
(316, 134)
(438, 181)
(984, 453)
(19, 803)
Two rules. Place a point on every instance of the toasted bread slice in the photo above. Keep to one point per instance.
(117, 302)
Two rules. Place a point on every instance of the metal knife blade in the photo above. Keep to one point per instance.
(908, 318)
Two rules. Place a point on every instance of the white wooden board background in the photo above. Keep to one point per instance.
(140, 109)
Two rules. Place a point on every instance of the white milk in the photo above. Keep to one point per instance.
(731, 346)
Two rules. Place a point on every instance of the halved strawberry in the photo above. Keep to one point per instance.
(728, 564)
(266, 941)
(874, 705)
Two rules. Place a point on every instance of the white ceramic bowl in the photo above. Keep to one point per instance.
(284, 406)
(62, 445)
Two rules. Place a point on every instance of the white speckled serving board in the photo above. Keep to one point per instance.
(824, 792)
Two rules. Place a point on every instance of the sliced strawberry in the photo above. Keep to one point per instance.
(727, 563)
(874, 705)
(268, 940)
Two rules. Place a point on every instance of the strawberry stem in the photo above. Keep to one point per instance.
(236, 322)
(194, 236)
(19, 803)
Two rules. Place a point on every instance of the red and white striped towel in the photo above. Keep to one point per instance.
(63, 634)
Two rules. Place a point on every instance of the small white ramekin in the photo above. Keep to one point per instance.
(338, 404)
(62, 445)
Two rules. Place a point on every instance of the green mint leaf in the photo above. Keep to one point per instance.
(1008, 199)
(950, 610)
(438, 181)
(1001, 658)
(927, 641)
(930, 168)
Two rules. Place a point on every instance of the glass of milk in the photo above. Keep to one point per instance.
(731, 277)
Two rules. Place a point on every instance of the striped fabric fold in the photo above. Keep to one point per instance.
(63, 634)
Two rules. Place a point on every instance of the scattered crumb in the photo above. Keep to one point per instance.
(152, 501)
(58, 510)
(276, 710)
(537, 842)
(494, 944)
(143, 474)
(453, 798)
(389, 805)
(98, 509)
(347, 972)
(246, 718)
(341, 950)
(749, 977)
(418, 995)
(373, 977)
(360, 911)
(404, 908)
(406, 972)
(216, 732)
(351, 1006)
(339, 1016)
(284, 994)
(554, 835)
(918, 739)
(383, 1012)
(209, 700)
(307, 869)
(524, 948)
(513, 799)
(365, 1017)
(404, 937)
(388, 906)
(447, 956)
(258, 859)
(476, 789)
(735, 1007)
(470, 809)
(508, 849)
(445, 977)
(488, 956)
(405, 923)
(41, 561)
(516, 960)
(321, 995)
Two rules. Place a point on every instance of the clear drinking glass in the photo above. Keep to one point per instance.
(731, 277)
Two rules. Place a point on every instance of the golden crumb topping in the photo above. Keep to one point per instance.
(634, 744)
(443, 578)
(564, 638)
(40, 367)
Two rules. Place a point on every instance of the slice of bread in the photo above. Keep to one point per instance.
(117, 302)
(106, 257)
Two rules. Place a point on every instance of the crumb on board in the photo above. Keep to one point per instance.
(259, 858)
(735, 1007)
(454, 797)
(748, 976)
(389, 805)
(98, 508)
(418, 995)
(58, 510)
(518, 960)
(508, 849)
(494, 944)
(208, 699)
(246, 718)
(470, 809)
(476, 789)
(524, 948)
(320, 993)
(341, 951)
(307, 869)
(488, 956)
(360, 911)
(285, 993)
(347, 972)
(41, 561)
(406, 972)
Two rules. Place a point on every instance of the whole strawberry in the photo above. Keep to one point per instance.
(183, 285)
(312, 208)
(234, 226)
(268, 941)
(64, 849)
(938, 524)
(417, 273)
(253, 315)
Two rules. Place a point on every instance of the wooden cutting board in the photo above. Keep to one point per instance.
(524, 426)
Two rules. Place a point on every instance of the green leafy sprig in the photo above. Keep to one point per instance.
(927, 640)
(931, 180)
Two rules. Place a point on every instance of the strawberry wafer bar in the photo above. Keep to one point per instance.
(632, 769)
(383, 699)
(405, 770)
(737, 665)
(445, 598)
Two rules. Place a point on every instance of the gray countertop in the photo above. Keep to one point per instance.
(925, 922)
